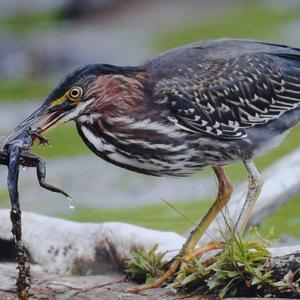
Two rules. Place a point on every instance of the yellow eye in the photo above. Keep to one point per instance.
(75, 92)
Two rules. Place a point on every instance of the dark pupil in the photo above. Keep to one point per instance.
(74, 93)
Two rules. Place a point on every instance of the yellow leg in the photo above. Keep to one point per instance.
(224, 193)
(255, 185)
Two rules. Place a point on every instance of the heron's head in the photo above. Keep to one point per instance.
(75, 96)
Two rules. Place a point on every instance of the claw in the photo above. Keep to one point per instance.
(42, 140)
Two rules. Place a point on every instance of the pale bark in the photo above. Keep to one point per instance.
(63, 246)
(62, 249)
(66, 247)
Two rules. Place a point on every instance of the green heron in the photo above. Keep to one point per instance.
(211, 103)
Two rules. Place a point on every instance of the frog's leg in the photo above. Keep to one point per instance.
(30, 160)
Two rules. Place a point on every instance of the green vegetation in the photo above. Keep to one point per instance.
(23, 90)
(240, 269)
(27, 22)
(146, 265)
(249, 21)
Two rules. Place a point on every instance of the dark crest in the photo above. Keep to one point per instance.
(88, 71)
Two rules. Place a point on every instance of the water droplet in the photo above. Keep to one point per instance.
(25, 168)
(71, 203)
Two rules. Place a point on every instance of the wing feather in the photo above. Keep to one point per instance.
(224, 97)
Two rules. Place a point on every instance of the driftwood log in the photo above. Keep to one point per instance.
(85, 260)
(66, 247)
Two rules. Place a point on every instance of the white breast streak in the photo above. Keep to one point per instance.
(94, 140)
(148, 124)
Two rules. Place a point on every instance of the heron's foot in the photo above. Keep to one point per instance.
(178, 263)
(190, 257)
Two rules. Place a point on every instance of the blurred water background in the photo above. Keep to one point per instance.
(42, 40)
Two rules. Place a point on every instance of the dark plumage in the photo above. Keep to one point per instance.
(206, 104)
(213, 101)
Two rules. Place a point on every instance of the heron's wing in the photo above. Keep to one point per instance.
(223, 97)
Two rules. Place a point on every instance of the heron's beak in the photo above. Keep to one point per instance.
(46, 117)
